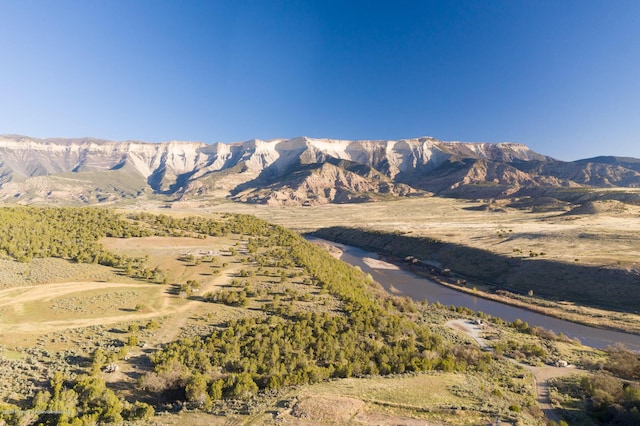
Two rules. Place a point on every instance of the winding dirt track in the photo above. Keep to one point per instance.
(16, 298)
(46, 292)
(541, 375)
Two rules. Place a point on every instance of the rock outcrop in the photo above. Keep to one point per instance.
(289, 171)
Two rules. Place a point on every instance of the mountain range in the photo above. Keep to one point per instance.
(299, 171)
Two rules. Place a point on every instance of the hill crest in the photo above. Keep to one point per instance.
(301, 170)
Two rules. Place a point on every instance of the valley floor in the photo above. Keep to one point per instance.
(608, 238)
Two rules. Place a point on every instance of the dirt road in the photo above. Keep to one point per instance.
(541, 375)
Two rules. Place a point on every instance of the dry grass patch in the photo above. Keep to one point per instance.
(196, 419)
(327, 409)
(76, 301)
(12, 355)
(434, 398)
(419, 391)
(169, 253)
(50, 270)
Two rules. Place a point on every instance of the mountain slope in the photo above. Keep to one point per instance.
(289, 171)
(339, 181)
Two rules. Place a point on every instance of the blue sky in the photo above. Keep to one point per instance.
(560, 76)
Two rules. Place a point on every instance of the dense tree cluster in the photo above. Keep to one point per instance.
(74, 234)
(370, 335)
(83, 401)
(195, 225)
(610, 400)
(607, 400)
(228, 297)
(70, 233)
(278, 352)
(623, 363)
(521, 350)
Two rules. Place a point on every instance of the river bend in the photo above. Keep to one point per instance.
(405, 283)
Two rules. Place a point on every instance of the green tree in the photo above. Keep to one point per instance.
(196, 391)
(132, 340)
(242, 386)
(215, 390)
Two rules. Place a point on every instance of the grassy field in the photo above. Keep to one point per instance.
(429, 397)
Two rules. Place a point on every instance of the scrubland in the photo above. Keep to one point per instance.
(175, 319)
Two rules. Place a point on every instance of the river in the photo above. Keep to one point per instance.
(405, 283)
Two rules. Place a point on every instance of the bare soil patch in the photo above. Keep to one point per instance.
(471, 329)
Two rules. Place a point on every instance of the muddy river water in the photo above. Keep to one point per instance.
(405, 283)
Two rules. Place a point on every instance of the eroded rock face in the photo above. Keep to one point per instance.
(285, 171)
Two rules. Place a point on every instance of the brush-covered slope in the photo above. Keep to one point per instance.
(289, 171)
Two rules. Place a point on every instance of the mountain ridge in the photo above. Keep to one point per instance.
(293, 171)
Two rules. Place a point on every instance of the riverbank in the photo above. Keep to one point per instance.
(395, 248)
(592, 317)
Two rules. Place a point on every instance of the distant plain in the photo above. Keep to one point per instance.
(609, 236)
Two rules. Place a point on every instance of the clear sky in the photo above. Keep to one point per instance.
(561, 76)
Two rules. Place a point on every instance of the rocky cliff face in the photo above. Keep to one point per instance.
(286, 171)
